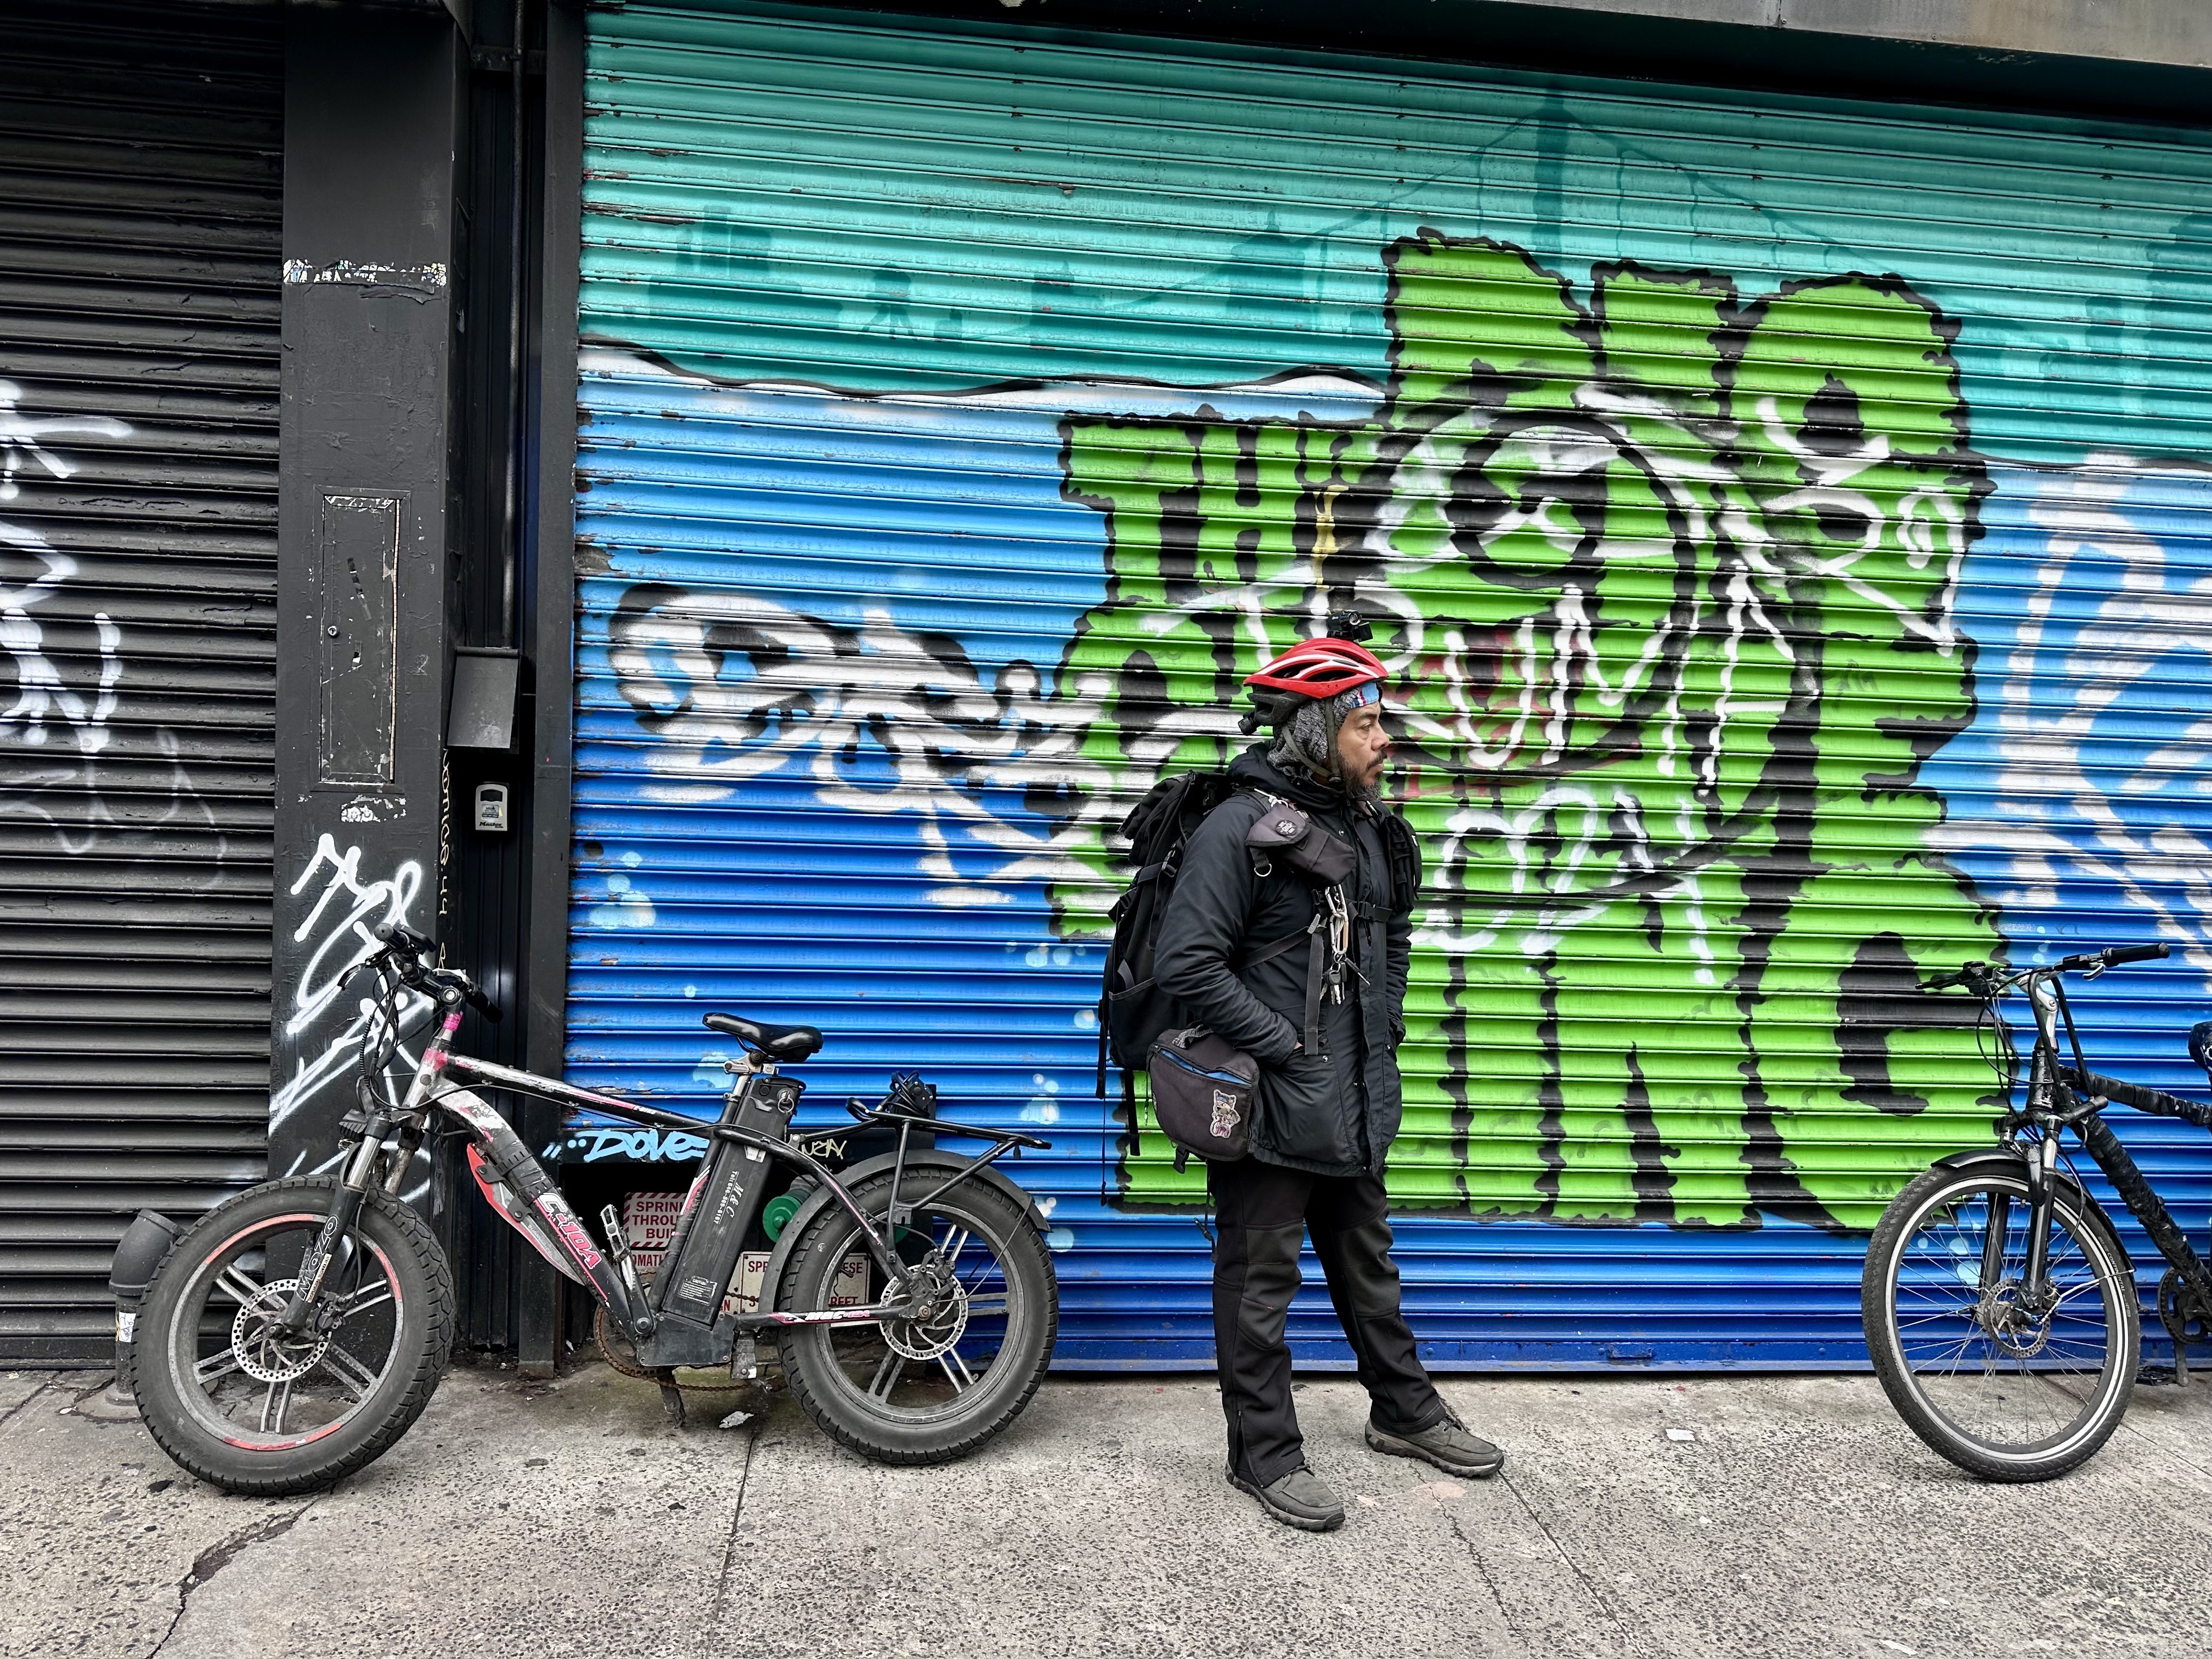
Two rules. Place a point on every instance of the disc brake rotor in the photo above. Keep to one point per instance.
(941, 1316)
(265, 1350)
(2009, 1326)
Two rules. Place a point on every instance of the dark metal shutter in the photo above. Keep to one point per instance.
(1788, 519)
(141, 154)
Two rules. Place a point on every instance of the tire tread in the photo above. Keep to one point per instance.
(824, 1233)
(429, 1363)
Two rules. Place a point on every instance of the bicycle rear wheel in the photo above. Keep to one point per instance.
(932, 1387)
(2005, 1387)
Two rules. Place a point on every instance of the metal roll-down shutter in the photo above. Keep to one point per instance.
(141, 152)
(1785, 517)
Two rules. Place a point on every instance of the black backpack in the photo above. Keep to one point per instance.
(1133, 1011)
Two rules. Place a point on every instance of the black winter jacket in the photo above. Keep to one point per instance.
(1331, 1113)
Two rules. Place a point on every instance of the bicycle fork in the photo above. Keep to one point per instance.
(354, 1182)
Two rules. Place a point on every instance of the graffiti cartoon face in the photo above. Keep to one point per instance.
(1666, 583)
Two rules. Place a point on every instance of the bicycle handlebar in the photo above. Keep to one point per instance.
(2138, 953)
(405, 938)
(2111, 957)
(1984, 977)
(405, 948)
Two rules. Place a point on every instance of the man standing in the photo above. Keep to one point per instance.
(1325, 1119)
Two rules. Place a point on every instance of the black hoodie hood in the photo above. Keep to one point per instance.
(1253, 770)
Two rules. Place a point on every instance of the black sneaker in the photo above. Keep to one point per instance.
(1445, 1444)
(1299, 1500)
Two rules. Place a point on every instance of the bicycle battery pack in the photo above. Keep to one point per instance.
(695, 1275)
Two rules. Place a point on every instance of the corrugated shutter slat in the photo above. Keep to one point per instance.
(1784, 516)
(141, 151)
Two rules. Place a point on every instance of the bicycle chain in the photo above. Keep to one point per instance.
(645, 1374)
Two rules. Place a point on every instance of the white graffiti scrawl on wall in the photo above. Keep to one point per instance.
(41, 570)
(341, 923)
(2094, 683)
(884, 720)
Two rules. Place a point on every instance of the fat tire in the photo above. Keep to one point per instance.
(406, 1388)
(1878, 1309)
(814, 1260)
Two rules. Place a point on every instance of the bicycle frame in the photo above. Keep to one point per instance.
(518, 1187)
(2054, 1104)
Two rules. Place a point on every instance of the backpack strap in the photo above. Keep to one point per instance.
(1275, 948)
(1315, 973)
(1403, 850)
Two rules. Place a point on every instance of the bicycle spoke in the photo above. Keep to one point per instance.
(274, 1405)
(965, 1379)
(238, 1285)
(987, 1304)
(367, 1297)
(350, 1372)
(886, 1375)
(215, 1365)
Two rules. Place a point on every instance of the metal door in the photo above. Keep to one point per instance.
(1786, 519)
(140, 208)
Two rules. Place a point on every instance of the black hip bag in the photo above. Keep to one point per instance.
(1203, 1092)
(1205, 1088)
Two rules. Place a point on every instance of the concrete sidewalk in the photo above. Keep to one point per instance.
(1801, 1518)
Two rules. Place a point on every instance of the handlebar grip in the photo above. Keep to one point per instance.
(405, 937)
(1944, 983)
(2120, 953)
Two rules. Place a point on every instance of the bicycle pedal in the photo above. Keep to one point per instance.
(618, 1248)
(618, 1241)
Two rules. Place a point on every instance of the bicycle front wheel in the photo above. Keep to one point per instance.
(251, 1407)
(2008, 1382)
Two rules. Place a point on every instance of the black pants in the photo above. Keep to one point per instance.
(1263, 1213)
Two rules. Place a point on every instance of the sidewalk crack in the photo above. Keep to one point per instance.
(15, 1410)
(217, 1556)
(737, 1513)
(1482, 1569)
(1590, 1585)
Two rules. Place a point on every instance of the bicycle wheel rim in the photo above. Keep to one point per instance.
(860, 1363)
(2015, 1385)
(246, 1383)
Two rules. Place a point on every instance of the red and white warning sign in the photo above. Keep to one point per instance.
(649, 1223)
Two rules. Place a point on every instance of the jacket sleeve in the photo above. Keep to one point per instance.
(1204, 926)
(1402, 956)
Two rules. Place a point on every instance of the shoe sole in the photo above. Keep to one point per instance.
(1288, 1518)
(1391, 1446)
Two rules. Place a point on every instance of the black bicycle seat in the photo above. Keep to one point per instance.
(786, 1042)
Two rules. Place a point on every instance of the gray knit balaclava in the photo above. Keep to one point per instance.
(1305, 742)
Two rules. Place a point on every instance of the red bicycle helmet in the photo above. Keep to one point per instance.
(1321, 668)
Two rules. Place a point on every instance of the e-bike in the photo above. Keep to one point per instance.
(292, 1334)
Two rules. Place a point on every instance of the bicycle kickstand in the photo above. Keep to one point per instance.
(671, 1397)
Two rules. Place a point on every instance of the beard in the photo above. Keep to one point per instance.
(1306, 744)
